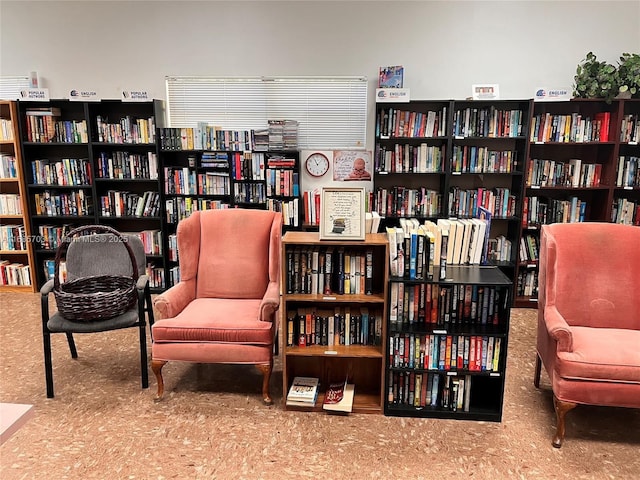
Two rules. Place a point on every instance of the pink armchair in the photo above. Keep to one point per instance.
(589, 316)
(223, 310)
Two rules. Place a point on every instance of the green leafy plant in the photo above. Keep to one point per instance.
(595, 79)
(628, 74)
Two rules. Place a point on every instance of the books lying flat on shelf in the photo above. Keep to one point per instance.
(303, 392)
(339, 397)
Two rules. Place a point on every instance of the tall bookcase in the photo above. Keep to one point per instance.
(17, 246)
(91, 162)
(581, 168)
(334, 304)
(445, 158)
(449, 359)
(201, 178)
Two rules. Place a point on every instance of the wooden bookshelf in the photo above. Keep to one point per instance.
(17, 185)
(550, 198)
(329, 361)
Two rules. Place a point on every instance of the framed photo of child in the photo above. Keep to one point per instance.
(352, 165)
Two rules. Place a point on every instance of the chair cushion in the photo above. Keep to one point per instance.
(215, 320)
(57, 323)
(602, 354)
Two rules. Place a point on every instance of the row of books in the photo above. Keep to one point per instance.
(330, 270)
(630, 129)
(476, 353)
(66, 171)
(129, 204)
(213, 183)
(156, 276)
(311, 204)
(395, 122)
(49, 267)
(407, 158)
(172, 240)
(445, 305)
(626, 211)
(529, 248)
(205, 137)
(475, 159)
(548, 127)
(423, 251)
(282, 182)
(174, 275)
(290, 210)
(180, 208)
(540, 210)
(180, 181)
(527, 284)
(151, 241)
(14, 273)
(46, 129)
(73, 203)
(628, 174)
(6, 130)
(8, 166)
(487, 122)
(247, 166)
(340, 326)
(215, 160)
(13, 237)
(249, 193)
(125, 165)
(10, 204)
(574, 173)
(465, 203)
(421, 390)
(50, 236)
(127, 130)
(404, 202)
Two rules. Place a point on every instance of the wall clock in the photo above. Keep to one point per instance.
(317, 164)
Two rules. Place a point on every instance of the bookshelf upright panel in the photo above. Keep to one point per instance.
(16, 249)
(326, 332)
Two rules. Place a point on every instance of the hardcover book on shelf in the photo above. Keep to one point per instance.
(339, 397)
(303, 392)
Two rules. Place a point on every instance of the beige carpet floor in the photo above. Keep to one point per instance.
(212, 424)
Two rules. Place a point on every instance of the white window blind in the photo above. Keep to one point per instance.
(331, 111)
(10, 86)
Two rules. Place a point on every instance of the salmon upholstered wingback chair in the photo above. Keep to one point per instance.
(223, 310)
(589, 316)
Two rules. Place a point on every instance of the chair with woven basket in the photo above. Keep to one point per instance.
(106, 289)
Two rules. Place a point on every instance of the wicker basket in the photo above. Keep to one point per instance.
(96, 297)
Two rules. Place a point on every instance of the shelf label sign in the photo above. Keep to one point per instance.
(35, 94)
(134, 96)
(551, 94)
(77, 95)
(397, 95)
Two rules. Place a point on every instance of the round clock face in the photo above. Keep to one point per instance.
(317, 164)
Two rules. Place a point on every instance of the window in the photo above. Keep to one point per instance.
(10, 86)
(331, 111)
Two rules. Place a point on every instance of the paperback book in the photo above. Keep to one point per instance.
(339, 397)
(391, 77)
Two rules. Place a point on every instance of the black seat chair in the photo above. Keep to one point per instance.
(91, 255)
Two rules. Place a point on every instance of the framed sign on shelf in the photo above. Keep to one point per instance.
(343, 215)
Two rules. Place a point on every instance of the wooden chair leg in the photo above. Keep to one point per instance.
(536, 378)
(156, 366)
(561, 410)
(266, 377)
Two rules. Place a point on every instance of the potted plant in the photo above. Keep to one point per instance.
(595, 79)
(628, 76)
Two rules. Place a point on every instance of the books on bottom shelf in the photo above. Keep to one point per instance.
(339, 397)
(303, 392)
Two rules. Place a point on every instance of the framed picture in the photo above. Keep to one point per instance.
(342, 214)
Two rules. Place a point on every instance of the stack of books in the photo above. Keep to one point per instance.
(303, 392)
